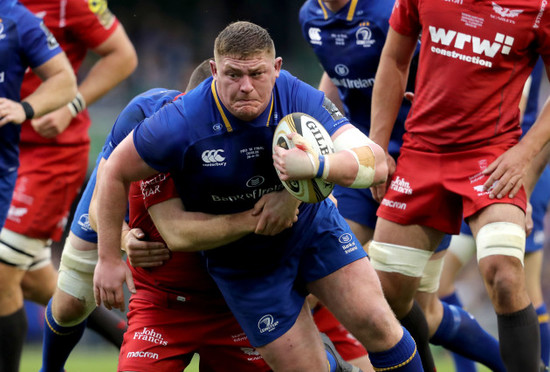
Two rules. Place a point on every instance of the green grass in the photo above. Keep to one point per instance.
(84, 358)
(87, 358)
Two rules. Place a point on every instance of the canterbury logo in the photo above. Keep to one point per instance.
(213, 156)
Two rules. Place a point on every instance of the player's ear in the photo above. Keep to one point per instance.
(213, 69)
(278, 64)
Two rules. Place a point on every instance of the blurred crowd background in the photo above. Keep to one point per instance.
(173, 36)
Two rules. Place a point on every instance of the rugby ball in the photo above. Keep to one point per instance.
(316, 189)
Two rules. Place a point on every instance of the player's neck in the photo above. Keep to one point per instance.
(335, 5)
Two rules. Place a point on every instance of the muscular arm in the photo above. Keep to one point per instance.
(389, 86)
(523, 163)
(358, 162)
(388, 91)
(58, 87)
(123, 166)
(117, 61)
(195, 231)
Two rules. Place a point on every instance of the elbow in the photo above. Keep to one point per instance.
(177, 245)
(128, 60)
(131, 61)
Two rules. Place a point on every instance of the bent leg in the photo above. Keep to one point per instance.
(354, 295)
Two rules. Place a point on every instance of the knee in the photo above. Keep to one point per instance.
(504, 278)
(68, 310)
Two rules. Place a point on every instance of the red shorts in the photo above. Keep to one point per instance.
(163, 336)
(49, 179)
(438, 189)
(346, 345)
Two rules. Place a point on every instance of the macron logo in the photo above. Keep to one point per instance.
(479, 46)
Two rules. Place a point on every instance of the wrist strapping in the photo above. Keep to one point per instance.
(29, 111)
(77, 105)
(324, 167)
(321, 166)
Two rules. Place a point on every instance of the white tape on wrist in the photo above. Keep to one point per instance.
(77, 105)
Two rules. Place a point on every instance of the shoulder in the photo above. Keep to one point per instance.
(310, 10)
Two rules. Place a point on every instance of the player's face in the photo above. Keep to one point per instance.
(245, 85)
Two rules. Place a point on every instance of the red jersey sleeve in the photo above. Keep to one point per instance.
(144, 194)
(404, 18)
(90, 21)
(542, 30)
(157, 189)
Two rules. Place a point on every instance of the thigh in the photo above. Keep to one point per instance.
(417, 194)
(354, 295)
(49, 179)
(156, 340)
(7, 184)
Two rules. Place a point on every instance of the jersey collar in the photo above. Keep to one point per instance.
(351, 10)
(222, 112)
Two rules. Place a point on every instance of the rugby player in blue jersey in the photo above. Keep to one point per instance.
(264, 272)
(24, 43)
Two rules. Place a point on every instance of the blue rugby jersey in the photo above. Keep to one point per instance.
(24, 42)
(348, 45)
(221, 164)
(142, 106)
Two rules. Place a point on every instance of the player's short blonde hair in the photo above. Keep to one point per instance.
(243, 40)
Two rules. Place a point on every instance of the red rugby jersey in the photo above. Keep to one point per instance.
(78, 26)
(184, 273)
(475, 58)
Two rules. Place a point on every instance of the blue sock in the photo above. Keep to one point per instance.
(402, 357)
(332, 365)
(58, 342)
(542, 313)
(461, 333)
(462, 364)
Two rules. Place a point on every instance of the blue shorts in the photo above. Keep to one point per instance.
(356, 205)
(445, 243)
(7, 185)
(263, 279)
(80, 226)
(539, 202)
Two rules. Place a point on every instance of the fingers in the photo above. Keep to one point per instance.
(149, 257)
(129, 283)
(97, 295)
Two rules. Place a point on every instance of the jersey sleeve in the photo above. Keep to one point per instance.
(160, 139)
(157, 189)
(126, 121)
(90, 21)
(37, 42)
(542, 29)
(404, 18)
